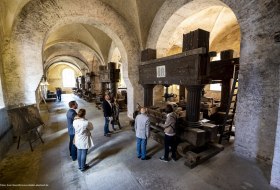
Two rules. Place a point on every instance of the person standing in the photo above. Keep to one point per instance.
(142, 129)
(115, 113)
(58, 94)
(83, 139)
(169, 131)
(107, 109)
(71, 113)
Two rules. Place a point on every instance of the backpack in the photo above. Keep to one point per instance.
(177, 124)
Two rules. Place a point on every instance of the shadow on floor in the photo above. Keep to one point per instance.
(153, 150)
(104, 154)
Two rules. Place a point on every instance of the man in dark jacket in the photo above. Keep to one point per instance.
(58, 94)
(107, 109)
(71, 113)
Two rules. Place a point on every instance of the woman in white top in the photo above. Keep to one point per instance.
(83, 139)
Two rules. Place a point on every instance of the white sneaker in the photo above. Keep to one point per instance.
(163, 159)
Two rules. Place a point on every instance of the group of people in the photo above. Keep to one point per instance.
(111, 114)
(81, 140)
(79, 132)
(142, 129)
(79, 129)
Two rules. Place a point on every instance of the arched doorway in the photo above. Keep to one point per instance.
(113, 25)
(212, 16)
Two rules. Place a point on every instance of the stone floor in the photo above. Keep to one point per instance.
(114, 164)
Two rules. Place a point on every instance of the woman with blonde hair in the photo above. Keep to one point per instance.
(83, 139)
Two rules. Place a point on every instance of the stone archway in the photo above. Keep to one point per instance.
(206, 15)
(39, 18)
(258, 98)
(67, 59)
(64, 48)
(55, 76)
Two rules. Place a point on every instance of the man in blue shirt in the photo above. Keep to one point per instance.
(142, 129)
(71, 113)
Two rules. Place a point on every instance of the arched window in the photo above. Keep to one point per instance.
(68, 78)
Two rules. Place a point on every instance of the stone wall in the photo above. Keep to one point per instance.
(258, 97)
(2, 104)
(54, 76)
(23, 56)
(6, 136)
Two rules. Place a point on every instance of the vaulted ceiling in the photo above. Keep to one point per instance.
(87, 43)
(95, 43)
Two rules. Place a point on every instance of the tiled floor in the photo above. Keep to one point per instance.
(114, 165)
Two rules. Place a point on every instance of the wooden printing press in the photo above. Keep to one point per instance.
(192, 70)
(109, 77)
(84, 87)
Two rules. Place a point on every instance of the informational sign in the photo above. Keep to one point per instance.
(161, 71)
(25, 118)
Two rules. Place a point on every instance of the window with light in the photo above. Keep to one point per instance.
(68, 78)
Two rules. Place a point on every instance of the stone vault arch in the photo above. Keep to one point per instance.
(39, 18)
(256, 119)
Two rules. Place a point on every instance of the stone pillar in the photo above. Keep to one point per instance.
(226, 84)
(193, 103)
(148, 94)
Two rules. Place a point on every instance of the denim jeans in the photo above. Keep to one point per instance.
(169, 141)
(82, 156)
(72, 148)
(141, 147)
(106, 126)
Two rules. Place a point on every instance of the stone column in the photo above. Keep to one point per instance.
(193, 104)
(148, 94)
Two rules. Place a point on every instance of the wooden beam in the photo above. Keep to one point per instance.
(198, 51)
(221, 70)
(185, 70)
